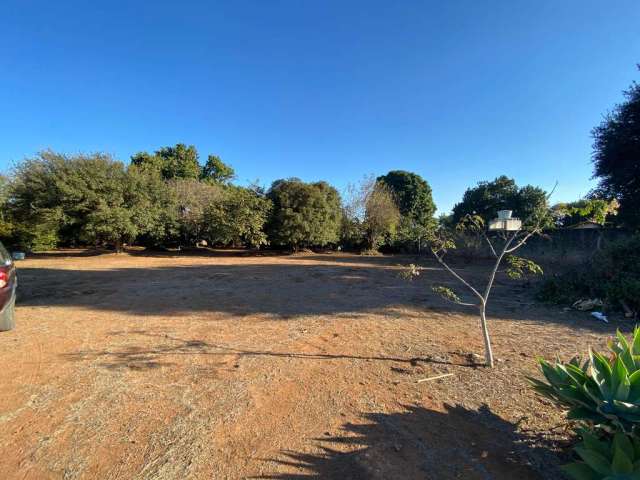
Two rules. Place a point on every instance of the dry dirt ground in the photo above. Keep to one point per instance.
(229, 366)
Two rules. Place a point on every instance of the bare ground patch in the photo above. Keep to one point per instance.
(291, 367)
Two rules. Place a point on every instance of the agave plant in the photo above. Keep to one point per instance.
(603, 392)
(612, 458)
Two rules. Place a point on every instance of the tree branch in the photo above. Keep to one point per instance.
(486, 237)
(460, 279)
(492, 277)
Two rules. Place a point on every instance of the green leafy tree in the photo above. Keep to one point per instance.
(192, 198)
(215, 170)
(616, 157)
(415, 202)
(381, 214)
(92, 198)
(148, 161)
(238, 219)
(153, 206)
(110, 225)
(502, 246)
(304, 214)
(179, 161)
(370, 215)
(487, 198)
(6, 225)
(595, 210)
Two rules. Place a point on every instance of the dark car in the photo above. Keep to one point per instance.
(8, 284)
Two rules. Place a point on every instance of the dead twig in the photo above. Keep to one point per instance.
(434, 378)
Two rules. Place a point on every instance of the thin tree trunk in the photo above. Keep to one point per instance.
(488, 352)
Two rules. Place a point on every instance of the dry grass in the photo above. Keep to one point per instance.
(230, 366)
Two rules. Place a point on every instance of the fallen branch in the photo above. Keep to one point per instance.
(434, 378)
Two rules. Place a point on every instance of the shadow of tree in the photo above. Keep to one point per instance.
(343, 285)
(426, 444)
(148, 357)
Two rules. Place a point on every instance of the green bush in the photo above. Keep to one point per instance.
(603, 393)
(602, 396)
(616, 458)
(613, 274)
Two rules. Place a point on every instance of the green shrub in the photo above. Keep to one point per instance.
(616, 458)
(601, 393)
(613, 274)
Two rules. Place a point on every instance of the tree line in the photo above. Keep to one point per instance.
(169, 198)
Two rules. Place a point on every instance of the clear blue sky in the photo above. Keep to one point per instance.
(457, 91)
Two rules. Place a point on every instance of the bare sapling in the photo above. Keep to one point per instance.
(501, 245)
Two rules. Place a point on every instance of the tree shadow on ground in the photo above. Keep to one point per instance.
(282, 289)
(148, 357)
(427, 444)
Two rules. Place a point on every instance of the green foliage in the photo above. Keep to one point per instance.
(381, 215)
(487, 198)
(610, 458)
(304, 214)
(446, 293)
(518, 267)
(602, 393)
(238, 219)
(180, 161)
(470, 224)
(370, 216)
(53, 195)
(410, 272)
(351, 231)
(192, 198)
(586, 210)
(111, 225)
(215, 170)
(612, 274)
(87, 199)
(415, 202)
(616, 157)
(6, 226)
(602, 396)
(153, 206)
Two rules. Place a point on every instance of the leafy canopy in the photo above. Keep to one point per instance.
(238, 219)
(415, 202)
(180, 161)
(528, 203)
(304, 214)
(616, 157)
(215, 170)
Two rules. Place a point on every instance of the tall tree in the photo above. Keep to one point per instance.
(217, 171)
(381, 215)
(304, 214)
(616, 157)
(192, 198)
(414, 199)
(238, 219)
(6, 226)
(487, 198)
(179, 161)
(153, 206)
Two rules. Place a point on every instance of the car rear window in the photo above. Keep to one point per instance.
(4, 255)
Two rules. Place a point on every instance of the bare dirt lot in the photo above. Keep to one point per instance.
(229, 366)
